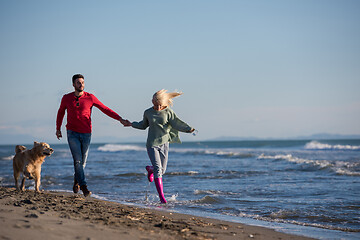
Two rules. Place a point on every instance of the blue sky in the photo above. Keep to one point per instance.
(247, 68)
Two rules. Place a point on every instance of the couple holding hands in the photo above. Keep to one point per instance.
(164, 127)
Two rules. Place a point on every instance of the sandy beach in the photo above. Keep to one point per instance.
(59, 215)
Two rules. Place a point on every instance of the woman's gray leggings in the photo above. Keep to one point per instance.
(159, 157)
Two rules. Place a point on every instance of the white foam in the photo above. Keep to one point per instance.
(324, 146)
(8, 158)
(220, 153)
(173, 198)
(120, 147)
(340, 167)
(200, 192)
(342, 171)
(291, 158)
(99, 197)
(190, 173)
(194, 151)
(207, 200)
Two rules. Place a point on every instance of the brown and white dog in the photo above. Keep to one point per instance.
(28, 162)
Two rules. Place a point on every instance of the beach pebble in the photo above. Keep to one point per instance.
(27, 201)
(251, 236)
(32, 215)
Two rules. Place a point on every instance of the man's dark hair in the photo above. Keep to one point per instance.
(76, 76)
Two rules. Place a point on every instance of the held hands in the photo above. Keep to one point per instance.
(125, 122)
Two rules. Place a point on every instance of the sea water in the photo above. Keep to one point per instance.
(305, 187)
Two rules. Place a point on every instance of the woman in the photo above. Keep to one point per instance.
(164, 127)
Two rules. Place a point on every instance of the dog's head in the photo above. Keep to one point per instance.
(43, 148)
(38, 154)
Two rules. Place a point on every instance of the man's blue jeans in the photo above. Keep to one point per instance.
(79, 144)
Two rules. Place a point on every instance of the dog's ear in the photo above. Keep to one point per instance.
(36, 143)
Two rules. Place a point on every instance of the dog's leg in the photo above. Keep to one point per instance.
(22, 187)
(37, 180)
(16, 178)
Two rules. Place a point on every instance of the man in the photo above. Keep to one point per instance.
(78, 105)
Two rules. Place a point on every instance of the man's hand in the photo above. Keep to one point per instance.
(58, 134)
(125, 122)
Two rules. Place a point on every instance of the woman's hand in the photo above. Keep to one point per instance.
(192, 130)
(125, 122)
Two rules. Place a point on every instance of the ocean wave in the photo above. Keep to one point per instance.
(61, 150)
(212, 192)
(315, 145)
(339, 167)
(288, 216)
(213, 152)
(191, 151)
(285, 216)
(347, 172)
(229, 154)
(230, 174)
(291, 158)
(8, 157)
(189, 173)
(208, 200)
(99, 197)
(130, 174)
(283, 219)
(201, 192)
(120, 147)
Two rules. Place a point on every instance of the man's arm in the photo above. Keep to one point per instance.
(59, 118)
(108, 111)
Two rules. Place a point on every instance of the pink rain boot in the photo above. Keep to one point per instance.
(159, 188)
(150, 176)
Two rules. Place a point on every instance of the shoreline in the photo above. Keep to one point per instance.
(63, 215)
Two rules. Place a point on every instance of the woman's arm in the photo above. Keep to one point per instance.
(142, 125)
(178, 124)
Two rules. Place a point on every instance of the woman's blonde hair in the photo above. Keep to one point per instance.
(164, 98)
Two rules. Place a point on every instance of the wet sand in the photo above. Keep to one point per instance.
(59, 215)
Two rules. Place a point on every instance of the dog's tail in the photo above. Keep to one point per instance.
(19, 148)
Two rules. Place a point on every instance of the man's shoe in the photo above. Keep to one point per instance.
(85, 191)
(76, 186)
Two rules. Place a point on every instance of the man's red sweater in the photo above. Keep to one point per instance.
(79, 112)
